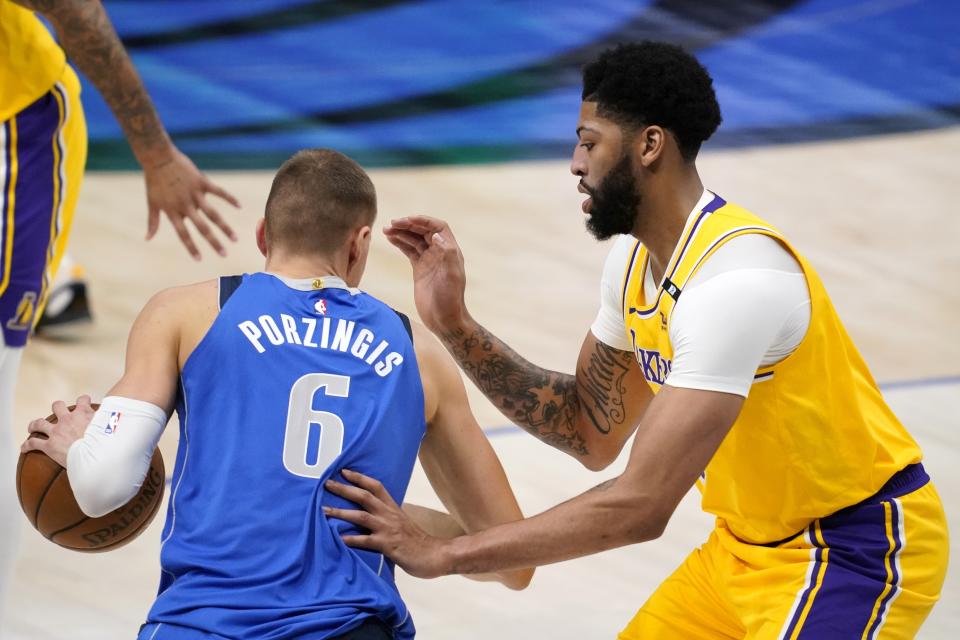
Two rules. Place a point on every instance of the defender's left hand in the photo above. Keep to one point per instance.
(70, 427)
(392, 532)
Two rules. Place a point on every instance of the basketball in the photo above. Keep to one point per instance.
(47, 500)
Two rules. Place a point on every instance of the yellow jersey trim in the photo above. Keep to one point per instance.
(11, 202)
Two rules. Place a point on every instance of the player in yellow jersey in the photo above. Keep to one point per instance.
(43, 148)
(717, 346)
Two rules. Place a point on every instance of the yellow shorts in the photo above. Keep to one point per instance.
(871, 571)
(43, 151)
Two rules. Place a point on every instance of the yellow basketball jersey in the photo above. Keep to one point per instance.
(30, 59)
(814, 435)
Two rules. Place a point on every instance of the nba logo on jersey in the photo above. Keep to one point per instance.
(113, 422)
(321, 307)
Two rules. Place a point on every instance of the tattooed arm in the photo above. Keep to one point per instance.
(174, 185)
(88, 37)
(678, 435)
(588, 415)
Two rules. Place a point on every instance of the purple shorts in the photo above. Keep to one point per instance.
(33, 176)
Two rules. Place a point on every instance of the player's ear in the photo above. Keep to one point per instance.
(359, 249)
(360, 243)
(648, 145)
(262, 236)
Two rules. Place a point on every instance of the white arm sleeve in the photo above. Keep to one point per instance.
(748, 307)
(609, 326)
(108, 464)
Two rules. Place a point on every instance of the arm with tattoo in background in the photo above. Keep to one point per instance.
(174, 184)
(588, 415)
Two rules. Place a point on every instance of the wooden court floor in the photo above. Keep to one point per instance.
(877, 217)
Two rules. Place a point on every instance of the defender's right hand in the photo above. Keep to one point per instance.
(439, 278)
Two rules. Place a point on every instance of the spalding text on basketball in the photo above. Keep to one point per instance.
(152, 484)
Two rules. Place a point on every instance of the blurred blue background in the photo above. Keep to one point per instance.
(244, 84)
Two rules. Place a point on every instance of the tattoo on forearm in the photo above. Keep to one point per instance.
(542, 402)
(545, 403)
(601, 387)
(90, 41)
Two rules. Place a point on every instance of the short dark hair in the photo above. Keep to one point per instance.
(655, 83)
(317, 198)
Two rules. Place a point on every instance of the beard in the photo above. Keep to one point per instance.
(613, 209)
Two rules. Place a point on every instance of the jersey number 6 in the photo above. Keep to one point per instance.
(301, 414)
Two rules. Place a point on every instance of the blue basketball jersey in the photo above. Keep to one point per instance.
(288, 387)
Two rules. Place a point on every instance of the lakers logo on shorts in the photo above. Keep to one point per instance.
(25, 313)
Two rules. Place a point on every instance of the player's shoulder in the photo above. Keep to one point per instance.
(437, 369)
(425, 344)
(172, 302)
(187, 293)
(432, 358)
(750, 252)
(622, 248)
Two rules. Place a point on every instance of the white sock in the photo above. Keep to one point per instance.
(10, 518)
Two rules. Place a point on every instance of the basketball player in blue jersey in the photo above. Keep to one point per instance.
(43, 150)
(281, 379)
(718, 347)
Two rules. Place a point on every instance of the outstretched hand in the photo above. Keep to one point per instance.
(392, 532)
(439, 278)
(177, 188)
(70, 426)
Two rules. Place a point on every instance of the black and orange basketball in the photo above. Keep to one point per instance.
(47, 500)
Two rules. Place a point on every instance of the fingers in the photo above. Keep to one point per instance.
(39, 426)
(59, 409)
(214, 216)
(191, 212)
(440, 241)
(85, 407)
(362, 542)
(34, 444)
(177, 221)
(360, 518)
(205, 230)
(393, 231)
(372, 485)
(431, 230)
(210, 187)
(407, 241)
(354, 494)
(424, 225)
(153, 221)
(411, 227)
(178, 189)
(369, 493)
(349, 492)
(404, 247)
